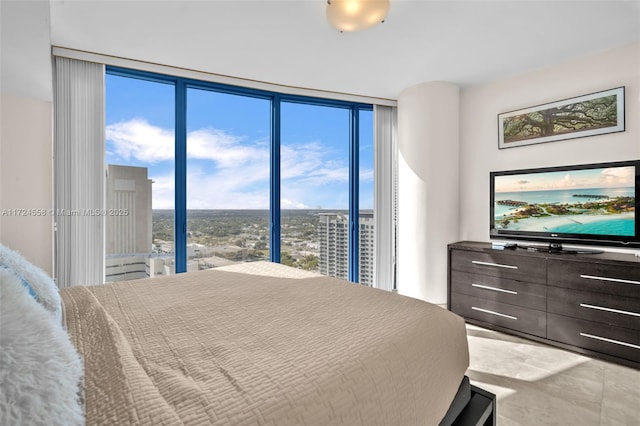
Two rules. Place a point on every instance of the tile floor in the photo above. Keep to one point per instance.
(538, 384)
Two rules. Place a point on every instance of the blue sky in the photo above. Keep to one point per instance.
(228, 139)
(613, 177)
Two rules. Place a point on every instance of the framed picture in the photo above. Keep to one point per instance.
(588, 115)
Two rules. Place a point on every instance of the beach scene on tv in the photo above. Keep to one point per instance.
(594, 201)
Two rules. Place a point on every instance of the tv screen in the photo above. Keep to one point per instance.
(591, 204)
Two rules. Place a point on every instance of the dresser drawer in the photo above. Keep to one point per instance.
(617, 311)
(620, 279)
(500, 290)
(496, 264)
(616, 341)
(517, 318)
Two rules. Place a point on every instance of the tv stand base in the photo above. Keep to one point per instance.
(589, 304)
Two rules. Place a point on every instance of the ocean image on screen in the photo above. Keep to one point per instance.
(591, 202)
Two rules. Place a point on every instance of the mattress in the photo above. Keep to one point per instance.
(223, 347)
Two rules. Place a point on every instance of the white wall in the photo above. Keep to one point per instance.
(436, 187)
(25, 179)
(25, 35)
(480, 106)
(427, 187)
(26, 129)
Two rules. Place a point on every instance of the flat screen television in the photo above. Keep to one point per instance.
(592, 204)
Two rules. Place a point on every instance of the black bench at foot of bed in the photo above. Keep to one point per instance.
(471, 406)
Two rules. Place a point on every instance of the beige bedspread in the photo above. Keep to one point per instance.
(227, 348)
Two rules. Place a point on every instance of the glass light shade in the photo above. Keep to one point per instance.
(355, 15)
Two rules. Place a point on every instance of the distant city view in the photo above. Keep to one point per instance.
(313, 240)
(140, 243)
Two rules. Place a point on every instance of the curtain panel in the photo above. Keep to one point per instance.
(79, 126)
(385, 195)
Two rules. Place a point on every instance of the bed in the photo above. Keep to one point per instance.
(265, 344)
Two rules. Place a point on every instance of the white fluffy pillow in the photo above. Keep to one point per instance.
(44, 287)
(40, 370)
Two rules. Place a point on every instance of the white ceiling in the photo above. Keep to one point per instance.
(291, 43)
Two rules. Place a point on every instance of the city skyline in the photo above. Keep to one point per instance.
(314, 240)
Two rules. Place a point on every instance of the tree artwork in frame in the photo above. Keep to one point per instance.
(588, 115)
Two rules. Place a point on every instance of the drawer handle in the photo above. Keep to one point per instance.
(604, 339)
(615, 280)
(486, 287)
(617, 311)
(497, 265)
(486, 311)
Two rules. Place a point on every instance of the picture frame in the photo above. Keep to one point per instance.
(587, 115)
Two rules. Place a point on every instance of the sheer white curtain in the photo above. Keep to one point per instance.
(79, 172)
(385, 200)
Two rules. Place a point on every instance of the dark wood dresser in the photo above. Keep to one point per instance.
(588, 303)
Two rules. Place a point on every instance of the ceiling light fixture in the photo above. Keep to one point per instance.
(355, 15)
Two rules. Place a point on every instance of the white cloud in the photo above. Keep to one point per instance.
(210, 191)
(299, 160)
(567, 182)
(241, 188)
(312, 175)
(163, 194)
(610, 177)
(615, 176)
(308, 163)
(287, 204)
(226, 150)
(326, 175)
(139, 140)
(366, 175)
(145, 142)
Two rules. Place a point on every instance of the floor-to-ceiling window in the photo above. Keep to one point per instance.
(221, 175)
(228, 183)
(314, 187)
(140, 170)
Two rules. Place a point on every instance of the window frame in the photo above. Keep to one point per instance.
(181, 85)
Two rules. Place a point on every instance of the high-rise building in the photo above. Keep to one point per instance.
(367, 249)
(333, 238)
